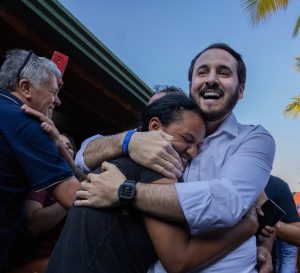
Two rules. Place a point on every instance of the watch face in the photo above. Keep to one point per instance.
(126, 191)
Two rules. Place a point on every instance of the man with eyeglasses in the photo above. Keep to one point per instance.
(29, 158)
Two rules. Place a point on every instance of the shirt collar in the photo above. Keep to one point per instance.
(9, 96)
(229, 125)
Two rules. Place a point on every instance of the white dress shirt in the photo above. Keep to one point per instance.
(224, 180)
(79, 160)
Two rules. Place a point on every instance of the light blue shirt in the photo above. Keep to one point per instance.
(79, 160)
(224, 180)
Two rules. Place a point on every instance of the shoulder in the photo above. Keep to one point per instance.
(257, 138)
(255, 131)
(126, 165)
(134, 171)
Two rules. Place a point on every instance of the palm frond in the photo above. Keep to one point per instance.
(292, 110)
(297, 65)
(260, 10)
(296, 28)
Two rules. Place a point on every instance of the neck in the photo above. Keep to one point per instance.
(212, 126)
(18, 95)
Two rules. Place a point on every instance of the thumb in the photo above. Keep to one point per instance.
(261, 258)
(105, 166)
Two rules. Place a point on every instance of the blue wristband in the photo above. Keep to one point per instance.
(126, 141)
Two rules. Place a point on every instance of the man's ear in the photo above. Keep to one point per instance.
(25, 88)
(241, 90)
(154, 124)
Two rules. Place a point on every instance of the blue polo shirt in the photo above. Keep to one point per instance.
(28, 160)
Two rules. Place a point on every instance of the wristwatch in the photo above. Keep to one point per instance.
(127, 192)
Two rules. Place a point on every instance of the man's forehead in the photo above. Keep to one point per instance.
(216, 56)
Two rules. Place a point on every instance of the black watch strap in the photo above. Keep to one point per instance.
(127, 192)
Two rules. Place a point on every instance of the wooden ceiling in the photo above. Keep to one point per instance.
(100, 94)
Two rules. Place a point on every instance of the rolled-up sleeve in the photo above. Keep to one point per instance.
(79, 160)
(242, 175)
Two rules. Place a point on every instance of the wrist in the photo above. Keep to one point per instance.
(126, 141)
(127, 192)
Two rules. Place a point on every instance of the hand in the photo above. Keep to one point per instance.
(267, 231)
(154, 150)
(264, 260)
(250, 219)
(102, 190)
(46, 123)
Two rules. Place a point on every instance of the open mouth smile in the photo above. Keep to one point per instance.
(211, 94)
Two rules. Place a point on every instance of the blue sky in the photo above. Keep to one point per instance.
(157, 40)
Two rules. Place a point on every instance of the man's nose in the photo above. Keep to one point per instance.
(211, 79)
(192, 151)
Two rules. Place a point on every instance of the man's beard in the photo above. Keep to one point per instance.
(227, 108)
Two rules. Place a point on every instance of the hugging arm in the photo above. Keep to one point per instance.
(149, 149)
(178, 251)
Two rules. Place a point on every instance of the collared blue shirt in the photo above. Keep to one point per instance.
(28, 160)
(224, 180)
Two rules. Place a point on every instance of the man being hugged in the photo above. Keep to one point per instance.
(223, 181)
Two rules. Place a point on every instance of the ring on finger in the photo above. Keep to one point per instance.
(166, 164)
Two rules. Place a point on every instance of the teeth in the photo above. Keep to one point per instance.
(211, 94)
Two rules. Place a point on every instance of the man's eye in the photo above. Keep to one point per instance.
(188, 139)
(224, 73)
(202, 72)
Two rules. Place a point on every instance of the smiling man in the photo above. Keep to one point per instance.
(29, 158)
(223, 181)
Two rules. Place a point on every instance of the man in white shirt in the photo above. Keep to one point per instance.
(223, 181)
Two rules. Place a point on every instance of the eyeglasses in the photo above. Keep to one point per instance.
(24, 64)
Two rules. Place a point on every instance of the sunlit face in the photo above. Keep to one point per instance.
(215, 86)
(188, 133)
(45, 97)
(67, 144)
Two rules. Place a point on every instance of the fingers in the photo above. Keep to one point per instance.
(166, 136)
(82, 203)
(85, 185)
(267, 231)
(106, 166)
(159, 169)
(81, 194)
(34, 113)
(173, 157)
(259, 211)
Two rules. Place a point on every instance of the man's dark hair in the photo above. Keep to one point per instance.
(166, 89)
(168, 109)
(241, 68)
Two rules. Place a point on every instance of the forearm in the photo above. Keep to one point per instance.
(160, 201)
(179, 252)
(103, 149)
(215, 247)
(44, 219)
(289, 233)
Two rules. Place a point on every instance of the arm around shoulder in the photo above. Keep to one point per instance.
(101, 149)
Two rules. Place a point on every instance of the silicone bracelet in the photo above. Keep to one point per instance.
(126, 141)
